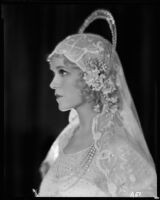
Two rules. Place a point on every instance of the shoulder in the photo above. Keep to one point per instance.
(125, 167)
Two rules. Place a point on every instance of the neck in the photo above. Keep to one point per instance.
(86, 115)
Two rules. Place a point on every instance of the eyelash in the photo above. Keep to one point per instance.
(61, 72)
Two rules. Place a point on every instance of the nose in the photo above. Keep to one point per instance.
(51, 85)
(55, 83)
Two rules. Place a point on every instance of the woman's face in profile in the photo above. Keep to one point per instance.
(66, 83)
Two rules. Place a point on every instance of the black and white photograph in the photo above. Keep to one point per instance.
(80, 99)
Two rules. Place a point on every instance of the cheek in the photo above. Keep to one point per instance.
(80, 84)
(75, 89)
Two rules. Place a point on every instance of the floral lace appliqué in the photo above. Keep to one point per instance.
(97, 76)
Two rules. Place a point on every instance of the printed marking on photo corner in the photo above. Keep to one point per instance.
(135, 194)
(138, 194)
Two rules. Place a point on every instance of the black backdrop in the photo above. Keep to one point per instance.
(32, 120)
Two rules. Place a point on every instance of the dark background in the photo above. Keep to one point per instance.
(31, 117)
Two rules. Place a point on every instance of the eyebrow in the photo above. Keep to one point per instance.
(57, 67)
(61, 66)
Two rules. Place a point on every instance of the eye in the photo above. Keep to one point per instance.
(62, 72)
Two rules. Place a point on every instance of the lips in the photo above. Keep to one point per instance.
(58, 96)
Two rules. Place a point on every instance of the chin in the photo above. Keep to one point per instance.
(67, 107)
(64, 109)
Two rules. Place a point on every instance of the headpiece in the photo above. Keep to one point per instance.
(94, 56)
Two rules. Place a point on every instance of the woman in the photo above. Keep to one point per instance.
(102, 151)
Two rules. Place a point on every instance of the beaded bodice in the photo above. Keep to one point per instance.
(70, 169)
(67, 164)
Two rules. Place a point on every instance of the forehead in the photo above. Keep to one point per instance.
(61, 61)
